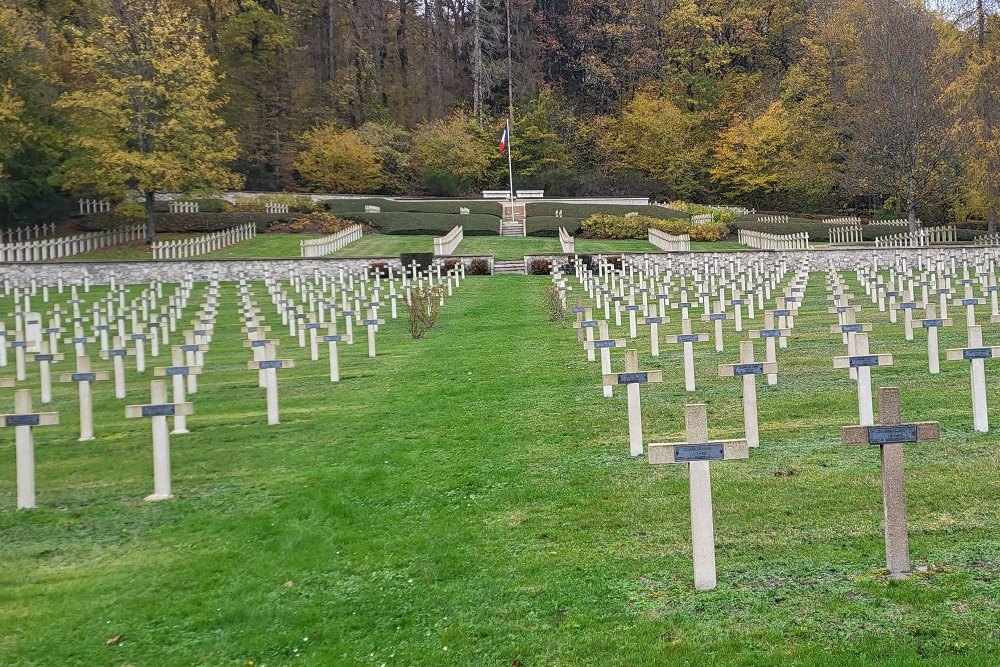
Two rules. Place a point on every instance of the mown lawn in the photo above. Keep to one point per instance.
(468, 499)
(386, 245)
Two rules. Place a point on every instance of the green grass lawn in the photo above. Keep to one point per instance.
(262, 245)
(468, 499)
(391, 245)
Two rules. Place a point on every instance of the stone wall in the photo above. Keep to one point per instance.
(841, 259)
(135, 272)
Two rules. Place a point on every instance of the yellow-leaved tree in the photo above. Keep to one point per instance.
(338, 161)
(657, 138)
(12, 130)
(450, 148)
(144, 114)
(752, 156)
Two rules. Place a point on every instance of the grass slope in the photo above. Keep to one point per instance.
(468, 499)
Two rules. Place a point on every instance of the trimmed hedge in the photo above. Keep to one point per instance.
(177, 223)
(476, 207)
(583, 211)
(428, 223)
(548, 225)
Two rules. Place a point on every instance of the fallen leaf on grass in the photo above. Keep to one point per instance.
(289, 584)
(113, 641)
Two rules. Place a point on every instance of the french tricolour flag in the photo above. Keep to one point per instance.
(505, 137)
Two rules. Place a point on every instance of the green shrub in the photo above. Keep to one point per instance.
(603, 226)
(357, 205)
(318, 222)
(434, 224)
(709, 231)
(132, 210)
(675, 227)
(177, 223)
(423, 259)
(296, 203)
(378, 270)
(583, 211)
(548, 225)
(539, 267)
(479, 267)
(440, 184)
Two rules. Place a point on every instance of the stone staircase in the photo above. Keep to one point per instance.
(508, 266)
(512, 228)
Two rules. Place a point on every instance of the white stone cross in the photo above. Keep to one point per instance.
(932, 323)
(698, 452)
(717, 318)
(863, 362)
(653, 322)
(748, 370)
(83, 377)
(117, 353)
(270, 367)
(372, 323)
(977, 355)
(24, 420)
(159, 409)
(605, 345)
(688, 339)
(632, 378)
(45, 360)
(177, 371)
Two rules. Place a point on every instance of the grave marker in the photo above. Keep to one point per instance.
(159, 409)
(23, 420)
(890, 435)
(632, 378)
(698, 452)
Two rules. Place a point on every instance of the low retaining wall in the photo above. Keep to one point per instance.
(135, 272)
(841, 259)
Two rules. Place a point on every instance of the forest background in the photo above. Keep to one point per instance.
(886, 107)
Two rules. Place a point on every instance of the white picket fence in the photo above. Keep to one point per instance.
(773, 219)
(91, 206)
(66, 246)
(917, 239)
(897, 222)
(331, 243)
(988, 240)
(201, 245)
(372, 209)
(567, 242)
(665, 241)
(764, 241)
(275, 207)
(29, 233)
(702, 218)
(850, 234)
(843, 221)
(445, 245)
(184, 207)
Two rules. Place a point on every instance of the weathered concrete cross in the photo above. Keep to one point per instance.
(890, 435)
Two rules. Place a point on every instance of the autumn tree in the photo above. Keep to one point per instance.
(659, 139)
(900, 139)
(973, 95)
(450, 147)
(144, 115)
(29, 80)
(337, 160)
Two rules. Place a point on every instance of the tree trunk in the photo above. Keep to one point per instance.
(150, 225)
(911, 203)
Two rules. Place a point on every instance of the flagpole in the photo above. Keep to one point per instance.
(510, 162)
(510, 105)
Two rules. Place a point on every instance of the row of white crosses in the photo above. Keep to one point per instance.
(317, 304)
(23, 418)
(29, 233)
(184, 207)
(91, 206)
(890, 435)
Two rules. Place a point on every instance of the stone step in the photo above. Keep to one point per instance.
(509, 266)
